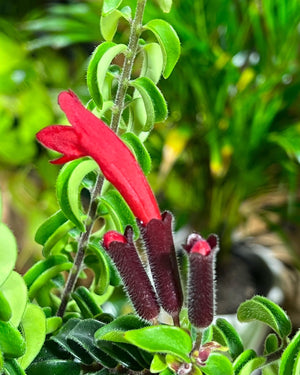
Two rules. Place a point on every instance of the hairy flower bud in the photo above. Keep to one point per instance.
(136, 281)
(160, 249)
(201, 284)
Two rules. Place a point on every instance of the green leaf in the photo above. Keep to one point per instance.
(290, 360)
(8, 252)
(54, 366)
(96, 260)
(42, 272)
(247, 362)
(98, 67)
(110, 5)
(152, 62)
(68, 185)
(162, 339)
(11, 367)
(165, 5)
(49, 227)
(169, 43)
(271, 343)
(43, 265)
(114, 331)
(86, 303)
(34, 330)
(12, 343)
(119, 211)
(57, 241)
(109, 23)
(158, 363)
(232, 338)
(15, 291)
(154, 102)
(139, 150)
(53, 324)
(266, 311)
(217, 364)
(5, 310)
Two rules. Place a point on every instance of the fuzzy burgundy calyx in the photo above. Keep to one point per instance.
(158, 239)
(201, 279)
(90, 136)
(135, 279)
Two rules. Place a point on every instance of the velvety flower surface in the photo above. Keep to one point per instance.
(158, 238)
(201, 288)
(89, 136)
(137, 284)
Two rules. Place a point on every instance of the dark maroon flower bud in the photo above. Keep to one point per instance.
(158, 238)
(201, 283)
(136, 281)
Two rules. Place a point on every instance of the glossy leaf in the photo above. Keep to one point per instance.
(53, 324)
(43, 265)
(169, 43)
(34, 330)
(290, 360)
(109, 23)
(58, 240)
(158, 363)
(49, 227)
(54, 366)
(98, 67)
(8, 252)
(96, 260)
(247, 362)
(232, 338)
(80, 341)
(5, 310)
(15, 291)
(86, 302)
(68, 185)
(172, 340)
(139, 150)
(266, 311)
(119, 211)
(114, 331)
(152, 62)
(217, 364)
(165, 5)
(154, 102)
(46, 276)
(12, 343)
(110, 5)
(11, 367)
(92, 83)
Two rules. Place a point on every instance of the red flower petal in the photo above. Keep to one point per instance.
(94, 138)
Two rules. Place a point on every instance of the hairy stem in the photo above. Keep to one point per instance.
(82, 243)
(135, 31)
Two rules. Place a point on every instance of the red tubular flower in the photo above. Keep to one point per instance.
(158, 238)
(137, 284)
(201, 288)
(89, 136)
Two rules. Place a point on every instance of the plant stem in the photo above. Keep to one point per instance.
(135, 32)
(83, 241)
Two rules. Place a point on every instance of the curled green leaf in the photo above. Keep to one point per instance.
(8, 252)
(290, 360)
(266, 311)
(169, 43)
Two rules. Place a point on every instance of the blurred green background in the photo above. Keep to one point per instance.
(226, 160)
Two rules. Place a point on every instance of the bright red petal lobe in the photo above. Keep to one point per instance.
(201, 247)
(112, 236)
(92, 137)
